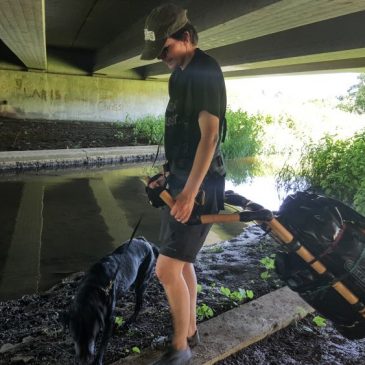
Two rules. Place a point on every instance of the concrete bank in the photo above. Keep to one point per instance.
(49, 159)
(238, 328)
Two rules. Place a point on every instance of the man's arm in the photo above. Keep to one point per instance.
(209, 130)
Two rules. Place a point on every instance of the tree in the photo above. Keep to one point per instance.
(354, 101)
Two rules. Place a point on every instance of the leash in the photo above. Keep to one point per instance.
(157, 152)
(135, 229)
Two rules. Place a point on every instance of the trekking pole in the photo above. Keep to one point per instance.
(245, 216)
(266, 217)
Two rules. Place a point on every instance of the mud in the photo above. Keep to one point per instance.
(31, 331)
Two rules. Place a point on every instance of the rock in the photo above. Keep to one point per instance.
(20, 359)
(27, 339)
(7, 347)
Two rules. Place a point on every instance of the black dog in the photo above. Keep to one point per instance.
(92, 310)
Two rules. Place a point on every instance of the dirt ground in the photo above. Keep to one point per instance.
(30, 327)
(21, 135)
(31, 331)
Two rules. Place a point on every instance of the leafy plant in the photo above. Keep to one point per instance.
(119, 321)
(265, 275)
(225, 291)
(332, 166)
(149, 129)
(320, 321)
(204, 311)
(354, 101)
(243, 134)
(216, 249)
(237, 295)
(136, 350)
(269, 264)
(199, 288)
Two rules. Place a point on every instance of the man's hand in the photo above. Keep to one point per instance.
(183, 207)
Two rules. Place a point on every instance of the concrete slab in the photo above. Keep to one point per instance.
(35, 160)
(238, 328)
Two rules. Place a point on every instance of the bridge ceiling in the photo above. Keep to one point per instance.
(252, 37)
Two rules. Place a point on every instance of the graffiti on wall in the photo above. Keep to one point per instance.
(110, 106)
(36, 93)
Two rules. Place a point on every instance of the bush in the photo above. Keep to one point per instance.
(146, 130)
(354, 101)
(244, 134)
(334, 167)
(149, 129)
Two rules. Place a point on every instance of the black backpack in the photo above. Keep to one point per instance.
(335, 234)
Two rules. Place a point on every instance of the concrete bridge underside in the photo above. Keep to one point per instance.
(252, 37)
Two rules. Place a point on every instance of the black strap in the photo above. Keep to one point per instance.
(135, 229)
(224, 129)
(157, 152)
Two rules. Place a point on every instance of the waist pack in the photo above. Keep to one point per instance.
(335, 234)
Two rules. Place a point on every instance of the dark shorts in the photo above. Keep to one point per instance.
(182, 241)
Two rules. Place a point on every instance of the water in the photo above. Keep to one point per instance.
(61, 222)
(255, 180)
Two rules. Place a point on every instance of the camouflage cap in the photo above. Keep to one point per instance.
(162, 22)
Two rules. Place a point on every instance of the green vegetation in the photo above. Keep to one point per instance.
(330, 165)
(243, 136)
(354, 101)
(119, 321)
(237, 295)
(147, 130)
(204, 311)
(319, 321)
(269, 264)
(247, 135)
(333, 166)
(216, 249)
(240, 170)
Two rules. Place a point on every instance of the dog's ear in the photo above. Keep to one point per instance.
(64, 318)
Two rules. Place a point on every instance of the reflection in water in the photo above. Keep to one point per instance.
(61, 222)
(58, 223)
(255, 180)
(241, 170)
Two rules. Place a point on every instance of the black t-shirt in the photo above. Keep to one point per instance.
(200, 86)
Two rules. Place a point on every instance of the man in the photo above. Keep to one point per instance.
(193, 124)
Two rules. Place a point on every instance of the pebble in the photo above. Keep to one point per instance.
(19, 359)
(7, 347)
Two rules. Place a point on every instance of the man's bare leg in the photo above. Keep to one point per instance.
(169, 272)
(190, 279)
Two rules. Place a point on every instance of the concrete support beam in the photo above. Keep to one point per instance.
(318, 43)
(221, 25)
(348, 65)
(22, 29)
